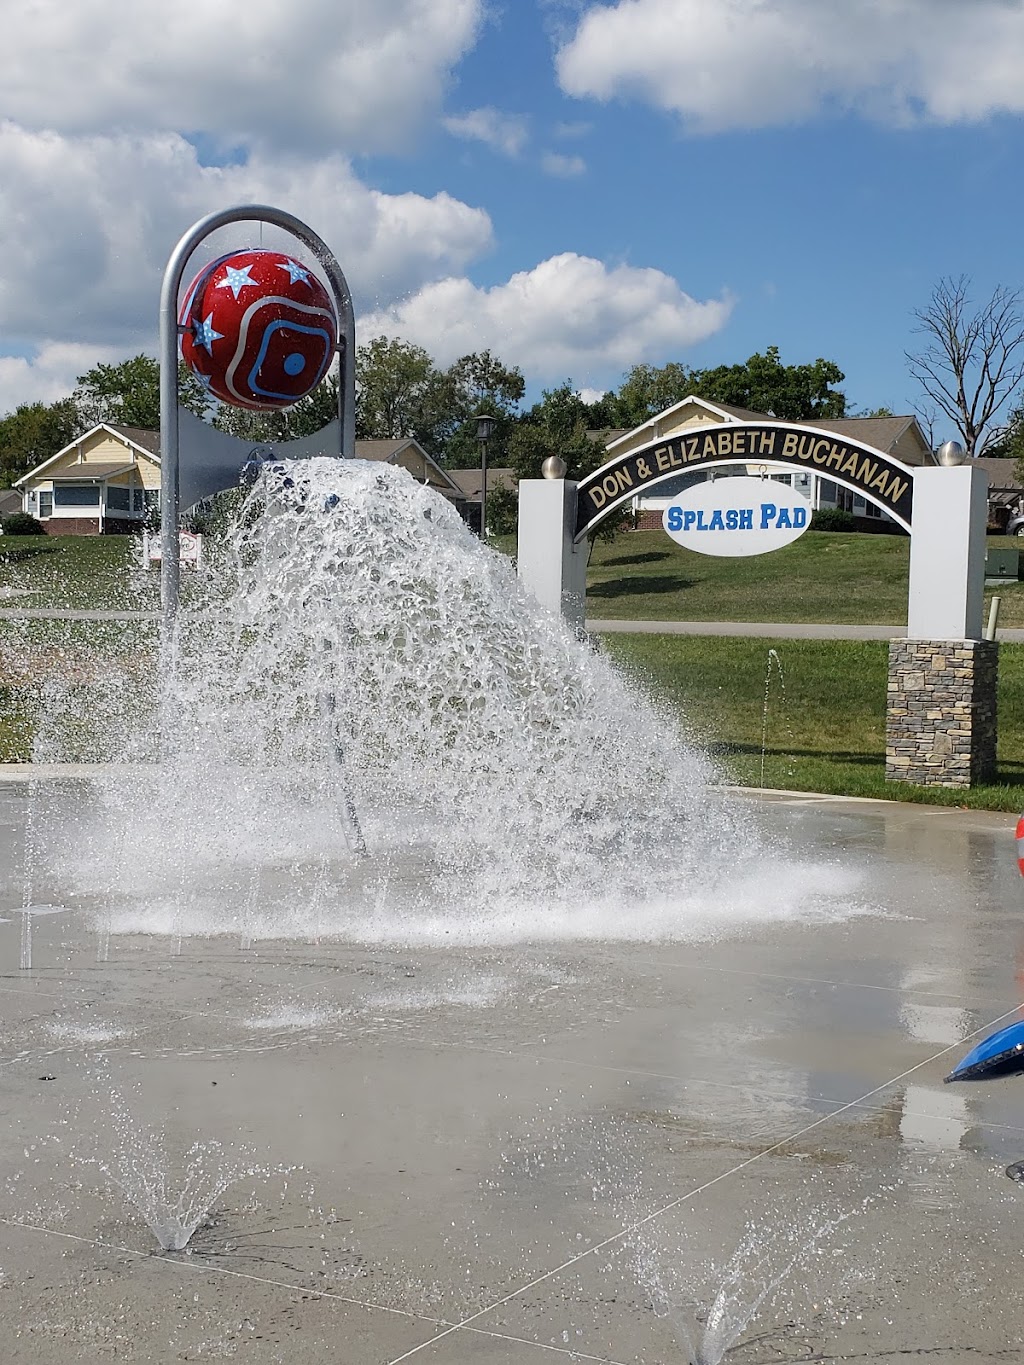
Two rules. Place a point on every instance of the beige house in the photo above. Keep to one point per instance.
(900, 437)
(101, 483)
(105, 482)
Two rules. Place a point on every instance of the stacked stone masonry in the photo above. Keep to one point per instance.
(940, 725)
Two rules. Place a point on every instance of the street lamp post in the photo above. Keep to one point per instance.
(484, 431)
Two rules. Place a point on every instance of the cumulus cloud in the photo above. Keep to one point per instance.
(748, 63)
(505, 133)
(87, 224)
(327, 74)
(570, 315)
(50, 372)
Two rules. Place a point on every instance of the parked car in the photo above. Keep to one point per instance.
(1015, 526)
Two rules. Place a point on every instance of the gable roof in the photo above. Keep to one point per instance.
(469, 481)
(387, 451)
(1000, 473)
(88, 473)
(716, 409)
(146, 442)
(880, 432)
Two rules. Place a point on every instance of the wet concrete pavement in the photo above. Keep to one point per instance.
(531, 1153)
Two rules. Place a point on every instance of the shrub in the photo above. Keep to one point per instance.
(833, 519)
(21, 524)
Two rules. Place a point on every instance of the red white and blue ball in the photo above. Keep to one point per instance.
(259, 329)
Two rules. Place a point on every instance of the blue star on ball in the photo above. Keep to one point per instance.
(295, 271)
(204, 333)
(235, 279)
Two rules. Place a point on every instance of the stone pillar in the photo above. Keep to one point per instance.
(940, 727)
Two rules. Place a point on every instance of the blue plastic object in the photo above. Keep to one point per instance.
(1001, 1054)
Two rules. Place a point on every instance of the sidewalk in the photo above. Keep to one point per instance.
(787, 630)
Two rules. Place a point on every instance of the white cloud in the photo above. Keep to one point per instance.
(87, 224)
(565, 167)
(50, 373)
(569, 316)
(506, 133)
(339, 74)
(749, 63)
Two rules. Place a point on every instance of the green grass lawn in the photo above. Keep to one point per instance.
(77, 572)
(843, 578)
(825, 727)
(825, 732)
(641, 575)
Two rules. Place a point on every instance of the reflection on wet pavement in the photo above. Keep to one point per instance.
(564, 1150)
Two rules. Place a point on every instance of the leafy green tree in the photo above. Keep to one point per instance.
(763, 384)
(128, 394)
(304, 418)
(398, 393)
(32, 433)
(557, 425)
(480, 383)
(645, 391)
(1009, 443)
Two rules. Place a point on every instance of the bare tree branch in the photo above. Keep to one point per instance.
(973, 358)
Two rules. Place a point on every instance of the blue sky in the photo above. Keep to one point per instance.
(577, 186)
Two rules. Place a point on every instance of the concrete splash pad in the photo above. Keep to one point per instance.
(530, 1153)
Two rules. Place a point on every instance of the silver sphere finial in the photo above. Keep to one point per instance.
(950, 453)
(554, 467)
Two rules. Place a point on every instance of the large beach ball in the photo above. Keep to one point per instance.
(259, 329)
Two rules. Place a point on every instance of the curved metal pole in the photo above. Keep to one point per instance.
(170, 564)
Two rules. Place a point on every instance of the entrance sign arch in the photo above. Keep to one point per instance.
(941, 696)
(873, 475)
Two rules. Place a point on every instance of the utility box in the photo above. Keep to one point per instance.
(1002, 564)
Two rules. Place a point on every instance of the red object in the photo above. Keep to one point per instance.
(260, 329)
(1020, 845)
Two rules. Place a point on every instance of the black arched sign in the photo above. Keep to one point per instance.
(879, 478)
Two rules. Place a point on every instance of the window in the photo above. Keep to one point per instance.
(46, 504)
(118, 499)
(76, 495)
(138, 501)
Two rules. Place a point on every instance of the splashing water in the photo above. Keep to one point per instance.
(766, 1257)
(138, 1164)
(773, 658)
(356, 646)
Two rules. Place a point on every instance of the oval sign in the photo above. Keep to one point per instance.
(737, 516)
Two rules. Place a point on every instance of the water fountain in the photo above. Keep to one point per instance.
(434, 871)
(492, 759)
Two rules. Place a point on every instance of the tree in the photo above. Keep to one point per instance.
(479, 383)
(792, 393)
(1008, 444)
(304, 418)
(128, 394)
(557, 425)
(32, 433)
(398, 393)
(645, 391)
(972, 359)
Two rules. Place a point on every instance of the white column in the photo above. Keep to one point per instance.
(947, 553)
(550, 566)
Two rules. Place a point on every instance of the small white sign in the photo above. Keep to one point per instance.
(190, 549)
(737, 516)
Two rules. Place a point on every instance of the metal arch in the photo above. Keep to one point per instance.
(170, 566)
(628, 493)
